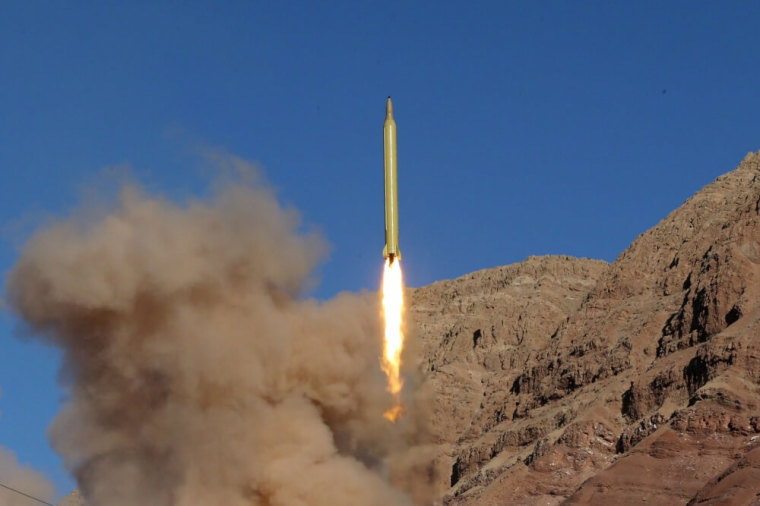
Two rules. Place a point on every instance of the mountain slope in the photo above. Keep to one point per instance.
(652, 372)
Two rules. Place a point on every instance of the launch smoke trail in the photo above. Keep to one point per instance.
(197, 371)
(19, 483)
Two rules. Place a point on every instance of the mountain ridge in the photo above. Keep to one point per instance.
(633, 362)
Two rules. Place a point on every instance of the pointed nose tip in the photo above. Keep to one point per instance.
(389, 107)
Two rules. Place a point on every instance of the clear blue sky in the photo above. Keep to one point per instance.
(524, 128)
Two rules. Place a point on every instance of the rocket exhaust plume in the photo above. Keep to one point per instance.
(198, 371)
(393, 305)
(393, 285)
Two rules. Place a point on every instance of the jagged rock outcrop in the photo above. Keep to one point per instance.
(566, 379)
(478, 332)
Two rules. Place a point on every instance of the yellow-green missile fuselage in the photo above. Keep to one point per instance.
(391, 250)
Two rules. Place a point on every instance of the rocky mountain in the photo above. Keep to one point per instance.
(571, 380)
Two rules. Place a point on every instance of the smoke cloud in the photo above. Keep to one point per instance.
(23, 479)
(199, 373)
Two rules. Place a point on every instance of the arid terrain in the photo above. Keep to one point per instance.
(566, 380)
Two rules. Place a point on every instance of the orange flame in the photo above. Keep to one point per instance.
(393, 305)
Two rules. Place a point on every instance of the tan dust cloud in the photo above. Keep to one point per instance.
(23, 479)
(198, 372)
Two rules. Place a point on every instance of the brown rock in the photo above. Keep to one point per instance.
(570, 379)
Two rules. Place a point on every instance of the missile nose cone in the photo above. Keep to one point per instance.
(389, 108)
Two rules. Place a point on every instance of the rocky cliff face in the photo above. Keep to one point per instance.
(570, 379)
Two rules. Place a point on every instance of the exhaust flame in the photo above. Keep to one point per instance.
(393, 305)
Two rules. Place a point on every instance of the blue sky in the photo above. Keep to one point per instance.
(524, 128)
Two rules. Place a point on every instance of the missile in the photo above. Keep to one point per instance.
(391, 250)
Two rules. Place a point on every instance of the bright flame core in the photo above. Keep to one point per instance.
(393, 305)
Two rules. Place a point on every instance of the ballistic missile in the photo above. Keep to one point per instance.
(391, 250)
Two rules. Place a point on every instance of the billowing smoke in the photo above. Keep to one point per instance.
(199, 373)
(21, 478)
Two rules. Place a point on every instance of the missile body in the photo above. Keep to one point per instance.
(391, 250)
